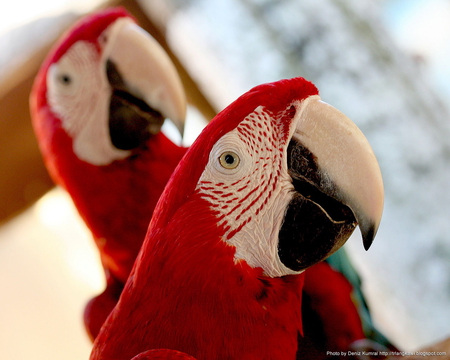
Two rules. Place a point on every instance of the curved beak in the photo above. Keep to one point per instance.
(347, 162)
(143, 78)
(337, 185)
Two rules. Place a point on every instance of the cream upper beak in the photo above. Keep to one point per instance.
(147, 69)
(346, 161)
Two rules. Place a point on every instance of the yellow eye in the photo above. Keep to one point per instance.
(229, 160)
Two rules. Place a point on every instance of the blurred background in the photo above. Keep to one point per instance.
(384, 63)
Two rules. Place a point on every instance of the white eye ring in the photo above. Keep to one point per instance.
(229, 160)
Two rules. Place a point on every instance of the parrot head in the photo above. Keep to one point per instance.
(288, 177)
(109, 85)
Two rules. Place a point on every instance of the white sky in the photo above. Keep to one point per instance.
(19, 12)
(422, 28)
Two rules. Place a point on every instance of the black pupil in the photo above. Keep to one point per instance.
(65, 79)
(229, 159)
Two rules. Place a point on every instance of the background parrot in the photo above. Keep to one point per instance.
(273, 185)
(97, 104)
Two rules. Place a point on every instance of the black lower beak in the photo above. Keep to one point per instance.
(131, 120)
(315, 224)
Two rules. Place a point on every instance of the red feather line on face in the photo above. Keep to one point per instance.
(251, 132)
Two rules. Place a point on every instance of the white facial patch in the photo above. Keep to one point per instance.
(251, 197)
(79, 94)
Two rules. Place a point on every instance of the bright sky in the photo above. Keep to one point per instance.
(19, 12)
(422, 28)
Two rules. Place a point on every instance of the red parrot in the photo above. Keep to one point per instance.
(97, 104)
(273, 185)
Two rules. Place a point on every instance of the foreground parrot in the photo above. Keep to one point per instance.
(274, 184)
(97, 104)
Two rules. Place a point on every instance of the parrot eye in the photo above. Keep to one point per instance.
(229, 160)
(65, 79)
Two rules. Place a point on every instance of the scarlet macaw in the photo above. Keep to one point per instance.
(274, 184)
(98, 103)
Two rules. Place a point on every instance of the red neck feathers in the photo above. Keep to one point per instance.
(187, 293)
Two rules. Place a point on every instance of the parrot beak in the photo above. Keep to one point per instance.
(146, 88)
(337, 182)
